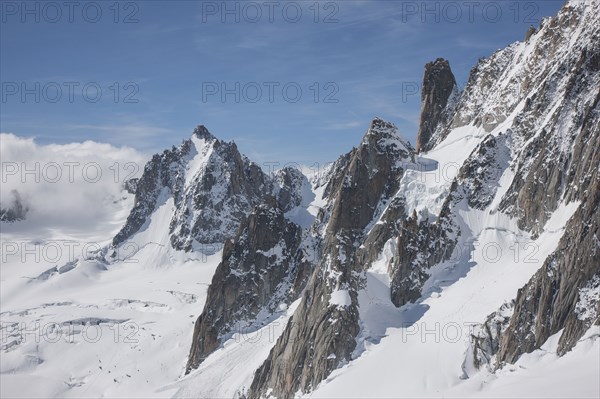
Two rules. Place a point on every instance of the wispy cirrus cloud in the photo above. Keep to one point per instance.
(343, 125)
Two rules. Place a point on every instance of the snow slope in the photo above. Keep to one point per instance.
(100, 330)
(82, 326)
(229, 371)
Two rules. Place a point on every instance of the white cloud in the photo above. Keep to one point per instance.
(343, 125)
(72, 189)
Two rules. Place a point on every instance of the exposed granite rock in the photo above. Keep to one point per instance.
(554, 138)
(217, 198)
(558, 136)
(484, 340)
(163, 173)
(481, 172)
(321, 335)
(212, 186)
(555, 162)
(530, 32)
(563, 294)
(328, 181)
(318, 338)
(263, 269)
(438, 85)
(421, 243)
(288, 187)
(419, 246)
(387, 227)
(372, 174)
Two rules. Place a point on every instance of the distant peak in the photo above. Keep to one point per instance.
(379, 126)
(383, 134)
(202, 133)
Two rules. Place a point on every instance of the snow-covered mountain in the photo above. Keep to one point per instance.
(467, 265)
(523, 136)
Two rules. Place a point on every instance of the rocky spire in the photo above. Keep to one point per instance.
(263, 267)
(438, 85)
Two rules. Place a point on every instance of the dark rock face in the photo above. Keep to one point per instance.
(482, 170)
(438, 85)
(15, 210)
(329, 181)
(335, 174)
(389, 225)
(288, 187)
(558, 163)
(371, 174)
(564, 292)
(131, 185)
(318, 339)
(162, 173)
(263, 269)
(408, 272)
(551, 147)
(530, 32)
(221, 188)
(421, 244)
(214, 202)
(321, 335)
(485, 340)
(546, 172)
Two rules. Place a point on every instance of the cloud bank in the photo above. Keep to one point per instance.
(70, 189)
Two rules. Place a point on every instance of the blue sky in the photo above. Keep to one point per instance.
(353, 60)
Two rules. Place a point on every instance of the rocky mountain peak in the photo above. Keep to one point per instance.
(439, 66)
(202, 133)
(363, 186)
(379, 125)
(384, 137)
(211, 185)
(438, 85)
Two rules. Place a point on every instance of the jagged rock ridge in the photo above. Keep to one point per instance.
(321, 334)
(559, 163)
(264, 269)
(213, 187)
(542, 93)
